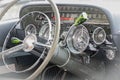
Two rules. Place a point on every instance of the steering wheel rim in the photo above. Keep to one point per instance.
(8, 36)
(55, 42)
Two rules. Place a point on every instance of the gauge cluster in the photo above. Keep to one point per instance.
(86, 38)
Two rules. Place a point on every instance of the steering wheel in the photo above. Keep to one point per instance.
(30, 41)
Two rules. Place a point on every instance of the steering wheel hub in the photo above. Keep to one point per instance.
(29, 42)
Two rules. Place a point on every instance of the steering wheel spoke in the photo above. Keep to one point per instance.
(12, 50)
(44, 45)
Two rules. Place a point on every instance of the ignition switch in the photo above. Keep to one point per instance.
(110, 54)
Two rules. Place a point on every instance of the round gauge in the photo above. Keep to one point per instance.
(45, 32)
(30, 29)
(99, 35)
(78, 39)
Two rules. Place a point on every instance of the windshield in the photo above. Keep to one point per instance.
(13, 12)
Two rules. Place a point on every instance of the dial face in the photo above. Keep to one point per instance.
(99, 35)
(45, 31)
(30, 29)
(78, 39)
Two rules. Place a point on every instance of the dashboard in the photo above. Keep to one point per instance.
(97, 26)
(86, 42)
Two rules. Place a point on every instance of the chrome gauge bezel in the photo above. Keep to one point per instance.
(28, 28)
(45, 29)
(73, 39)
(95, 33)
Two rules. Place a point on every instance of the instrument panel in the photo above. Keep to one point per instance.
(87, 44)
(96, 29)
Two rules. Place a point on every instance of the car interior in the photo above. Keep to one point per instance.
(62, 40)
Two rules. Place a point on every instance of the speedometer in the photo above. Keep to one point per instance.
(78, 39)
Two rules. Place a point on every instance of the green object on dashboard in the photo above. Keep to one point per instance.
(15, 40)
(81, 19)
